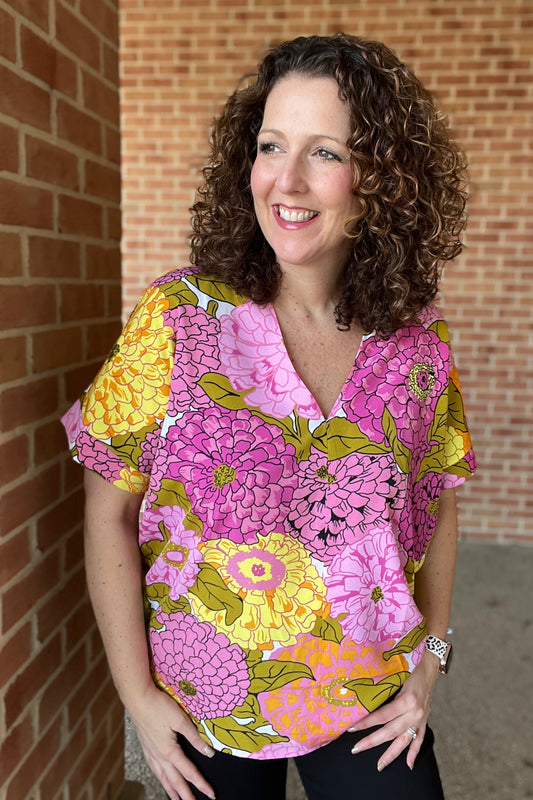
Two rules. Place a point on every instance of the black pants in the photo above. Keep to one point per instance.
(329, 773)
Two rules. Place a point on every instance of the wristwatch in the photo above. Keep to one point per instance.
(443, 651)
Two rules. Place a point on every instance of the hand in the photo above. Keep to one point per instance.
(409, 709)
(157, 719)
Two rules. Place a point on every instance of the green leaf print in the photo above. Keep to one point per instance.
(441, 329)
(250, 708)
(339, 437)
(220, 390)
(128, 446)
(216, 288)
(158, 593)
(172, 493)
(372, 695)
(402, 454)
(269, 675)
(211, 590)
(182, 295)
(456, 413)
(434, 461)
(408, 643)
(462, 469)
(230, 733)
(328, 629)
(437, 431)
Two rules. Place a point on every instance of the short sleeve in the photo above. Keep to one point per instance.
(460, 460)
(112, 428)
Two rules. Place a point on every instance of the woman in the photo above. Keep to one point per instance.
(288, 414)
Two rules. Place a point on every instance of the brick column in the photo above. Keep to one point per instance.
(60, 721)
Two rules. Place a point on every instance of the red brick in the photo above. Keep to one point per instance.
(34, 10)
(74, 548)
(82, 301)
(14, 556)
(78, 624)
(56, 348)
(27, 499)
(22, 306)
(101, 338)
(63, 763)
(9, 148)
(11, 255)
(27, 206)
(45, 62)
(20, 598)
(56, 694)
(21, 692)
(16, 651)
(111, 64)
(104, 18)
(39, 758)
(13, 459)
(8, 46)
(95, 677)
(101, 98)
(102, 181)
(12, 358)
(49, 440)
(79, 216)
(77, 37)
(114, 224)
(17, 745)
(54, 258)
(103, 263)
(47, 162)
(68, 514)
(23, 100)
(79, 128)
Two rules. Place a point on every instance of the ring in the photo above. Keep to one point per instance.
(412, 733)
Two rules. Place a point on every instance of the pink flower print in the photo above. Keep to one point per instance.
(255, 360)
(312, 712)
(178, 563)
(336, 501)
(367, 584)
(100, 458)
(404, 374)
(149, 447)
(207, 673)
(197, 335)
(418, 517)
(72, 423)
(237, 471)
(175, 275)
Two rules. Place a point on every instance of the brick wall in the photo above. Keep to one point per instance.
(60, 723)
(180, 59)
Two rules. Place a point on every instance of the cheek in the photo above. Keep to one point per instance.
(257, 182)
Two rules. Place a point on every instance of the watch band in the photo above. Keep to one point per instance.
(442, 650)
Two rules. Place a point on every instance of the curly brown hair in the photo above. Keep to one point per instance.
(408, 173)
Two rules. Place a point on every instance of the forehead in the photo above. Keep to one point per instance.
(305, 100)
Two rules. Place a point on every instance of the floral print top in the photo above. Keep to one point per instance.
(280, 548)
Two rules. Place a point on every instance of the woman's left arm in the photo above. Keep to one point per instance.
(433, 595)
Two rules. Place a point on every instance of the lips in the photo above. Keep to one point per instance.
(295, 215)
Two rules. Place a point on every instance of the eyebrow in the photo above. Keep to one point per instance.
(314, 136)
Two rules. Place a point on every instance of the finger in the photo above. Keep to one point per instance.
(400, 743)
(186, 728)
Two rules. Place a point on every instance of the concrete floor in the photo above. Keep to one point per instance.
(482, 712)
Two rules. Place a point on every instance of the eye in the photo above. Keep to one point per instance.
(327, 155)
(268, 148)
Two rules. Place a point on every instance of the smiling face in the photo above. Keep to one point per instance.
(302, 179)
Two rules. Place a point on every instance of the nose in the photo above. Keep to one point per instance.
(291, 176)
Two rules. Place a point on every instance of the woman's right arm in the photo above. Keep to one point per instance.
(114, 578)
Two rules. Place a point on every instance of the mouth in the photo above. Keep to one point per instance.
(295, 215)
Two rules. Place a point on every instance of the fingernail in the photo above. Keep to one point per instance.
(209, 752)
(352, 730)
(355, 750)
(381, 766)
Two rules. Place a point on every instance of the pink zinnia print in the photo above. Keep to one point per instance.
(405, 374)
(178, 563)
(206, 672)
(312, 712)
(336, 501)
(97, 456)
(418, 517)
(73, 423)
(197, 336)
(237, 470)
(367, 584)
(255, 360)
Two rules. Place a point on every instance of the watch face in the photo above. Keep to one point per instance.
(446, 660)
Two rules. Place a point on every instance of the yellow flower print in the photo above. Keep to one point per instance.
(457, 445)
(131, 390)
(132, 481)
(280, 589)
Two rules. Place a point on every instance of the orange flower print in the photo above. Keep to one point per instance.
(131, 390)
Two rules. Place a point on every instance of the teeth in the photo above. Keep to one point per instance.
(295, 216)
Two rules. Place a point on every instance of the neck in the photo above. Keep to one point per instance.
(307, 294)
